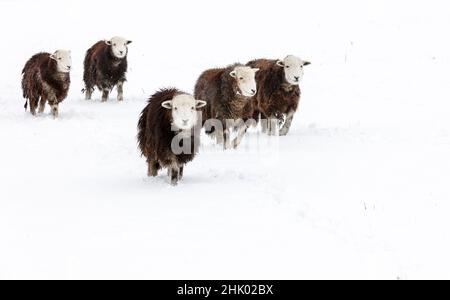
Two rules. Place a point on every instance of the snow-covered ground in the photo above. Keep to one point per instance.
(359, 189)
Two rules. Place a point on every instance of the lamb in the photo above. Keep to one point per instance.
(105, 67)
(279, 93)
(46, 78)
(228, 93)
(169, 133)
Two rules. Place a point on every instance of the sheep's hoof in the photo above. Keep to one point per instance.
(152, 173)
(120, 99)
(54, 112)
(235, 144)
(284, 132)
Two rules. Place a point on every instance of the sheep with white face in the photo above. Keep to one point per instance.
(293, 69)
(184, 111)
(63, 60)
(119, 46)
(245, 78)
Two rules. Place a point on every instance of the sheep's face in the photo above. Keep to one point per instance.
(245, 78)
(293, 69)
(63, 60)
(119, 46)
(184, 111)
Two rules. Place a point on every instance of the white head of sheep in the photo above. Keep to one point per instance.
(293, 69)
(119, 46)
(63, 60)
(184, 111)
(245, 78)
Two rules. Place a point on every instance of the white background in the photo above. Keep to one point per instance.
(359, 189)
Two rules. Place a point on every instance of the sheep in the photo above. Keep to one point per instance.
(228, 93)
(279, 93)
(170, 121)
(46, 77)
(105, 67)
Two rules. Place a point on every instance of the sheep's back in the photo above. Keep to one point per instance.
(31, 80)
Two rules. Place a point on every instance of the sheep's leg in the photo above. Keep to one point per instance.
(287, 125)
(265, 125)
(105, 95)
(42, 104)
(55, 110)
(242, 130)
(257, 117)
(153, 168)
(120, 91)
(219, 137)
(181, 172)
(269, 125)
(33, 106)
(227, 137)
(272, 123)
(89, 93)
(174, 173)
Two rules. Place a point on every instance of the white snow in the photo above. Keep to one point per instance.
(359, 189)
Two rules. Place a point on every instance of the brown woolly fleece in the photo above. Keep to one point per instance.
(155, 134)
(220, 91)
(41, 81)
(275, 97)
(102, 69)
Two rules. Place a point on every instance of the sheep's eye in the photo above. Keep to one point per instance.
(192, 108)
(287, 67)
(115, 45)
(242, 78)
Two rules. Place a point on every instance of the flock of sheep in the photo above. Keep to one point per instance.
(232, 100)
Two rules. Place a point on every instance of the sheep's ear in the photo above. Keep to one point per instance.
(306, 63)
(52, 56)
(233, 74)
(129, 42)
(256, 70)
(280, 63)
(200, 103)
(108, 42)
(167, 104)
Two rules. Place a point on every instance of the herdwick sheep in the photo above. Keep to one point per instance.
(279, 93)
(169, 132)
(46, 77)
(105, 67)
(229, 95)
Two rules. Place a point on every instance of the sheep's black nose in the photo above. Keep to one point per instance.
(297, 78)
(69, 67)
(254, 91)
